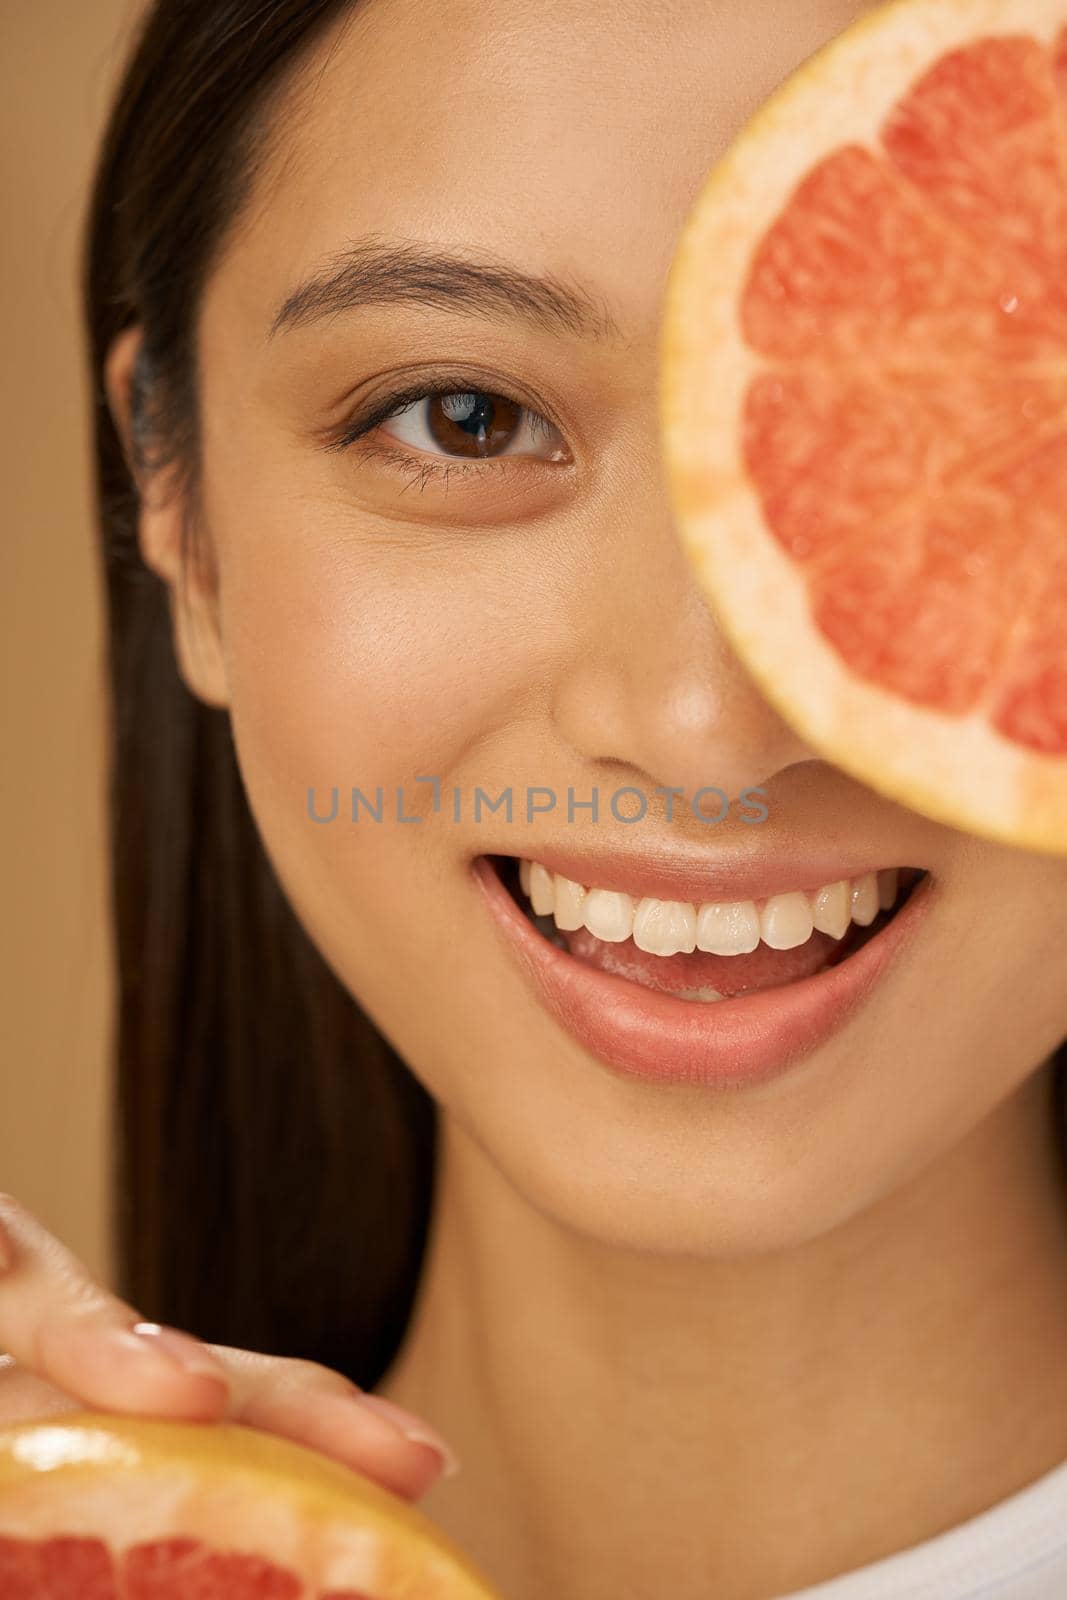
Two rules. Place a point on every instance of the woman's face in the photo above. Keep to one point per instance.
(398, 608)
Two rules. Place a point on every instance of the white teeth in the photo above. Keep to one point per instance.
(831, 909)
(785, 920)
(698, 994)
(865, 899)
(542, 890)
(665, 927)
(608, 915)
(721, 928)
(569, 912)
(728, 928)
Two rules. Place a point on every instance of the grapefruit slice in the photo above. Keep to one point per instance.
(864, 407)
(102, 1507)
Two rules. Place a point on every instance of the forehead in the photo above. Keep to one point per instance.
(568, 137)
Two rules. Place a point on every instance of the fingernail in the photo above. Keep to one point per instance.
(7, 1249)
(176, 1348)
(413, 1428)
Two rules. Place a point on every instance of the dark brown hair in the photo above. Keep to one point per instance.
(275, 1156)
(274, 1159)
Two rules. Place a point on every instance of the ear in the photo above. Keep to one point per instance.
(161, 518)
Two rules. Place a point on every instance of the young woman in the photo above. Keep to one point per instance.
(733, 1297)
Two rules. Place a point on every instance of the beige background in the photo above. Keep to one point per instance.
(58, 64)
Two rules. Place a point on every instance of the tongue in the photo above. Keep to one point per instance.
(762, 968)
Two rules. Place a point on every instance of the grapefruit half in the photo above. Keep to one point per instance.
(864, 407)
(102, 1507)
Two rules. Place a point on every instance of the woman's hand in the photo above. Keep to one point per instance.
(73, 1345)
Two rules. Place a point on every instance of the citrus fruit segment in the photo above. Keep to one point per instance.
(864, 407)
(102, 1507)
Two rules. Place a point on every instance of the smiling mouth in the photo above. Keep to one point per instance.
(711, 951)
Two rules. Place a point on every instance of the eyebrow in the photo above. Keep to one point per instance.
(379, 272)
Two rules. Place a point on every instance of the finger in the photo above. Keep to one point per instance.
(60, 1324)
(297, 1400)
(315, 1406)
(24, 1397)
(57, 1322)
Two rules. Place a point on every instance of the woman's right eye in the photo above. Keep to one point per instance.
(473, 425)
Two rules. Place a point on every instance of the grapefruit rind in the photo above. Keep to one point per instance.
(125, 1480)
(957, 770)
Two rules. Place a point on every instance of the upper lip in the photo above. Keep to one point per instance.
(666, 875)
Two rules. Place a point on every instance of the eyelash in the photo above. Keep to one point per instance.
(422, 472)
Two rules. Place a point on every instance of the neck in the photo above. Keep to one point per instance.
(645, 1425)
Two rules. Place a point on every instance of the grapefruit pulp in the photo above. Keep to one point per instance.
(103, 1507)
(864, 407)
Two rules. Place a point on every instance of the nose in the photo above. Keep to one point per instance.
(653, 693)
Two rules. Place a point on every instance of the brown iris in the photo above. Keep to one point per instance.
(473, 423)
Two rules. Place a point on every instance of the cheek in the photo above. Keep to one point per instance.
(361, 656)
(356, 659)
(1026, 926)
(995, 980)
(363, 653)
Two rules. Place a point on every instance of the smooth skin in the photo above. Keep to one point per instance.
(685, 1342)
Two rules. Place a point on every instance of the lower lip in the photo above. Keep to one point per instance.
(718, 1044)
